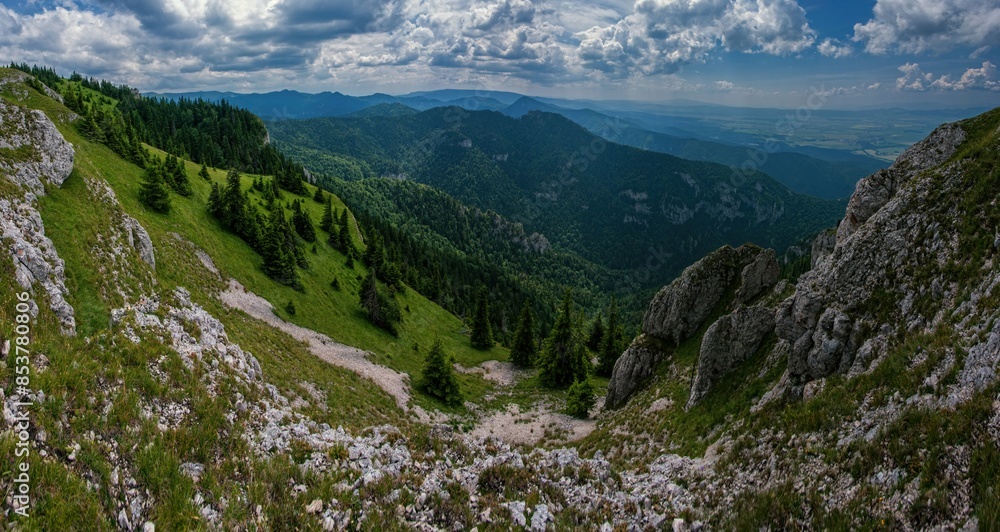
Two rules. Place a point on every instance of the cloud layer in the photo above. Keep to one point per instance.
(208, 40)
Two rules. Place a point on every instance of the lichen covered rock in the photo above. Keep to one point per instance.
(726, 344)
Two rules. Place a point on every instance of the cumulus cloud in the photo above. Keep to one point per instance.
(662, 35)
(834, 48)
(916, 26)
(915, 79)
(227, 42)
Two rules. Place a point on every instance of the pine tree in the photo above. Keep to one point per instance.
(279, 263)
(595, 340)
(326, 223)
(482, 333)
(215, 201)
(318, 196)
(613, 344)
(563, 358)
(302, 223)
(153, 191)
(344, 235)
(523, 352)
(580, 399)
(382, 310)
(180, 181)
(439, 379)
(203, 173)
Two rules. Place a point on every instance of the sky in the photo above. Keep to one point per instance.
(776, 53)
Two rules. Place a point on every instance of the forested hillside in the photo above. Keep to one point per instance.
(645, 213)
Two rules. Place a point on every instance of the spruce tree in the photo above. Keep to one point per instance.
(326, 223)
(318, 196)
(180, 182)
(302, 223)
(279, 263)
(563, 357)
(203, 173)
(382, 310)
(439, 378)
(153, 191)
(523, 351)
(613, 344)
(595, 339)
(482, 333)
(580, 399)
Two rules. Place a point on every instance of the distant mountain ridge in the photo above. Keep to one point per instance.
(612, 204)
(823, 173)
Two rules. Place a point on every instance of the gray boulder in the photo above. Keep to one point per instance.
(726, 344)
(139, 239)
(633, 368)
(759, 276)
(41, 152)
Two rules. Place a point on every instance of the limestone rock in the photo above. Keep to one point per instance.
(633, 368)
(757, 277)
(822, 246)
(41, 152)
(726, 344)
(682, 307)
(139, 239)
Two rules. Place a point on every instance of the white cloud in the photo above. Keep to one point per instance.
(724, 85)
(874, 86)
(916, 26)
(915, 79)
(200, 44)
(834, 48)
(662, 35)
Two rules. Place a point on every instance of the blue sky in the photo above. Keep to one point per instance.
(743, 52)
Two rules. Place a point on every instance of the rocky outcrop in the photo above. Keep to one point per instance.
(759, 276)
(35, 258)
(822, 247)
(33, 149)
(139, 239)
(633, 368)
(874, 191)
(891, 229)
(680, 309)
(726, 344)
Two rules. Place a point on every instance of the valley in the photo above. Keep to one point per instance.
(500, 322)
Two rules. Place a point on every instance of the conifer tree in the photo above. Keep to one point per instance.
(563, 357)
(215, 201)
(326, 223)
(595, 340)
(482, 333)
(382, 310)
(523, 351)
(180, 182)
(318, 197)
(203, 173)
(439, 378)
(580, 399)
(302, 223)
(153, 191)
(279, 263)
(613, 344)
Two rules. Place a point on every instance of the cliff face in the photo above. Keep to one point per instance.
(726, 278)
(900, 264)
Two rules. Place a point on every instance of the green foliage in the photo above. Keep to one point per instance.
(203, 173)
(596, 337)
(613, 342)
(319, 197)
(482, 334)
(563, 358)
(153, 192)
(524, 348)
(278, 249)
(302, 223)
(381, 309)
(176, 177)
(580, 399)
(290, 308)
(439, 379)
(326, 223)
